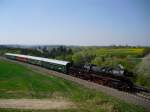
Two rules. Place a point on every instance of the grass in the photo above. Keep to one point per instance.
(17, 81)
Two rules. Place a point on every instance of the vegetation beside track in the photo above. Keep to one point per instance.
(143, 71)
(17, 81)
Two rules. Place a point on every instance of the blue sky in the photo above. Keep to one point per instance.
(75, 22)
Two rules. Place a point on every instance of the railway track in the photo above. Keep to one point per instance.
(137, 99)
(143, 95)
(146, 97)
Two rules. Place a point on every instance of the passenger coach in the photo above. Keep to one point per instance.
(57, 65)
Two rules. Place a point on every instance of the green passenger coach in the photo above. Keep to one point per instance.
(57, 65)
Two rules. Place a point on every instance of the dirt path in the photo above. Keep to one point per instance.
(35, 104)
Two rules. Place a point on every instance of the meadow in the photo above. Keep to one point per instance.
(18, 81)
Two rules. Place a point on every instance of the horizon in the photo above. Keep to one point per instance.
(71, 45)
(75, 23)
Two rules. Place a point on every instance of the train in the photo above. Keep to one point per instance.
(57, 65)
(114, 77)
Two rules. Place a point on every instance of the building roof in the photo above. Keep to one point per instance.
(40, 59)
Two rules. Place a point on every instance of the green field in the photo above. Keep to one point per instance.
(120, 52)
(17, 81)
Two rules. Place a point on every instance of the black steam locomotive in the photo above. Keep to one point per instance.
(117, 77)
(117, 72)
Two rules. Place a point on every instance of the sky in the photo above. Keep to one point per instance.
(75, 22)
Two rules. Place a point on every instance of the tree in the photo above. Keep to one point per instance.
(24, 51)
(77, 59)
(53, 53)
(143, 71)
(70, 51)
(146, 51)
(97, 61)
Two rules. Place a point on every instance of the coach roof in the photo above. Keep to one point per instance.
(40, 59)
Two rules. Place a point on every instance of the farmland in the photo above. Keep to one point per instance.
(115, 51)
(17, 81)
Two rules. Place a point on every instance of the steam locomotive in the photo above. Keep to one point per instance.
(117, 77)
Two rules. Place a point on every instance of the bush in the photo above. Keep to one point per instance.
(98, 61)
(143, 71)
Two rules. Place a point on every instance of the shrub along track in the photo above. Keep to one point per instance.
(130, 98)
